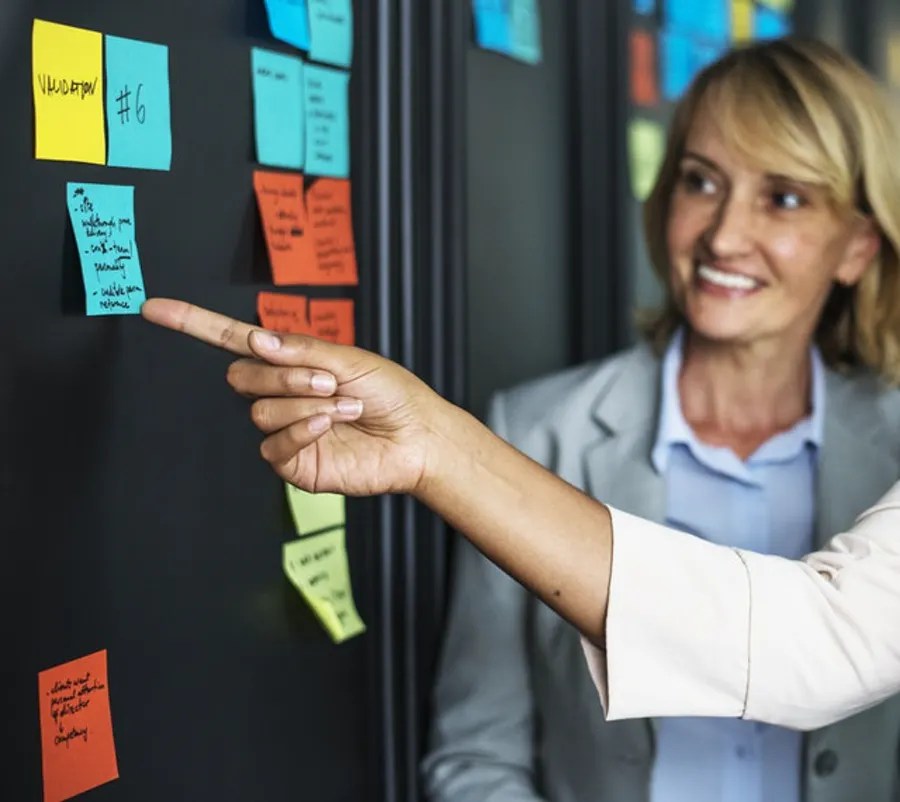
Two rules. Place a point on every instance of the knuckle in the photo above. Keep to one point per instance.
(226, 335)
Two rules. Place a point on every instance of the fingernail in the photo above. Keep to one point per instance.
(350, 406)
(323, 383)
(266, 341)
(319, 423)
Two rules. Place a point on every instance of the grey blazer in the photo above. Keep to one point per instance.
(516, 716)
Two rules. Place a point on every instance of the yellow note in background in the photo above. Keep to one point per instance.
(67, 83)
(317, 567)
(741, 20)
(313, 512)
(646, 143)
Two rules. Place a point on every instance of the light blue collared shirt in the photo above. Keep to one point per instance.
(764, 504)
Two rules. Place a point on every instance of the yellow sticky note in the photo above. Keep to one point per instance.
(67, 83)
(317, 567)
(741, 20)
(646, 144)
(313, 512)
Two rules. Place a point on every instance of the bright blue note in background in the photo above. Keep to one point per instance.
(707, 19)
(493, 30)
(770, 24)
(327, 126)
(331, 31)
(102, 218)
(525, 21)
(137, 104)
(676, 60)
(644, 7)
(289, 21)
(278, 108)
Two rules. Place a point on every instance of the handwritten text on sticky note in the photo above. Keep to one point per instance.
(330, 233)
(283, 215)
(327, 125)
(331, 31)
(283, 313)
(278, 108)
(332, 319)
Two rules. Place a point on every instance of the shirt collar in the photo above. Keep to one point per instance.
(674, 429)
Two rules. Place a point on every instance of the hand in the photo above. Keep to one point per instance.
(378, 445)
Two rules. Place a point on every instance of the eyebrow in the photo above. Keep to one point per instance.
(690, 154)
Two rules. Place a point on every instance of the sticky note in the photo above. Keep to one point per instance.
(770, 24)
(327, 127)
(317, 566)
(525, 30)
(137, 104)
(278, 108)
(642, 56)
(313, 512)
(330, 233)
(646, 144)
(332, 319)
(331, 31)
(645, 7)
(706, 19)
(102, 217)
(289, 21)
(77, 747)
(493, 29)
(283, 216)
(741, 21)
(67, 84)
(784, 6)
(285, 313)
(676, 63)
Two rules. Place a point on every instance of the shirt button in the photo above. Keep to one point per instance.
(741, 752)
(826, 762)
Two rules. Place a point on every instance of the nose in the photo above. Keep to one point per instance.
(731, 228)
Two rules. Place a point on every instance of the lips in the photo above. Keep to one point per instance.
(727, 280)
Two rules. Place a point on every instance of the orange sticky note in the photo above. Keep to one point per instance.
(77, 748)
(284, 313)
(642, 56)
(330, 233)
(332, 319)
(280, 200)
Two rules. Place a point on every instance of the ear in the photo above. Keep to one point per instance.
(861, 249)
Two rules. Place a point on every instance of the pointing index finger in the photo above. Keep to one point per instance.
(202, 324)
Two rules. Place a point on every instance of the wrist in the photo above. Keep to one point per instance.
(448, 450)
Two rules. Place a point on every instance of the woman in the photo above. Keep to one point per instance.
(830, 650)
(761, 228)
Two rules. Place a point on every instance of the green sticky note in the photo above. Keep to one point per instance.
(313, 512)
(317, 566)
(646, 144)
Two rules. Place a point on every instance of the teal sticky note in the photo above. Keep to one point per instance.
(327, 127)
(770, 24)
(137, 104)
(102, 218)
(525, 29)
(493, 29)
(331, 31)
(289, 21)
(278, 108)
(676, 63)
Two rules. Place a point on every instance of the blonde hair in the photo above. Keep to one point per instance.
(803, 109)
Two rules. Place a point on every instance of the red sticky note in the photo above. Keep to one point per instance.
(642, 52)
(332, 319)
(77, 748)
(330, 233)
(284, 313)
(283, 215)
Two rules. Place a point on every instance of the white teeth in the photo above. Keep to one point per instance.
(731, 281)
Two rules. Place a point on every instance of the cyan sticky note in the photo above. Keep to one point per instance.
(102, 218)
(493, 30)
(644, 7)
(706, 19)
(138, 115)
(331, 31)
(327, 127)
(525, 30)
(770, 24)
(289, 21)
(676, 56)
(278, 108)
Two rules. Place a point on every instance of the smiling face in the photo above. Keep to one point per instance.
(753, 254)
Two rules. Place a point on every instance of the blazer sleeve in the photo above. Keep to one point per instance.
(694, 628)
(481, 739)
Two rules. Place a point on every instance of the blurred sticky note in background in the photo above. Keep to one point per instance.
(741, 20)
(137, 104)
(327, 126)
(102, 217)
(646, 143)
(525, 31)
(332, 319)
(283, 216)
(784, 6)
(331, 31)
(285, 313)
(642, 57)
(289, 21)
(676, 56)
(644, 7)
(317, 566)
(492, 25)
(67, 84)
(330, 233)
(313, 512)
(278, 108)
(770, 24)
(77, 747)
(708, 19)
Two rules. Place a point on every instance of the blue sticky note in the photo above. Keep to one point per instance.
(525, 30)
(137, 104)
(331, 31)
(493, 30)
(327, 128)
(706, 19)
(676, 63)
(770, 24)
(289, 21)
(278, 108)
(645, 7)
(102, 218)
